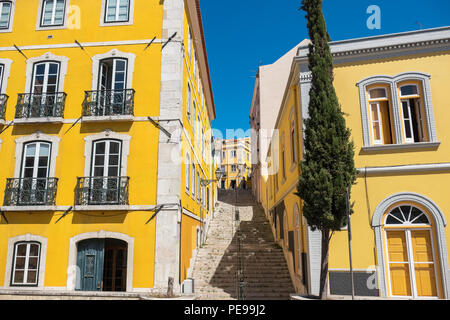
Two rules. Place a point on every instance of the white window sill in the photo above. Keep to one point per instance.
(399, 147)
(33, 208)
(116, 23)
(2, 122)
(108, 118)
(39, 120)
(46, 28)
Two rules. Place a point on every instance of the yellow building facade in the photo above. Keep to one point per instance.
(235, 163)
(105, 144)
(392, 91)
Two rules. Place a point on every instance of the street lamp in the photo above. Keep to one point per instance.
(219, 174)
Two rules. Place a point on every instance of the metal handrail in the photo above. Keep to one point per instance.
(30, 191)
(108, 103)
(32, 105)
(102, 191)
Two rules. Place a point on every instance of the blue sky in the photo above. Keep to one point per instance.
(242, 34)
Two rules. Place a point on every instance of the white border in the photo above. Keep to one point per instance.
(72, 265)
(107, 134)
(131, 57)
(37, 136)
(438, 221)
(6, 72)
(11, 17)
(111, 24)
(46, 57)
(39, 18)
(42, 258)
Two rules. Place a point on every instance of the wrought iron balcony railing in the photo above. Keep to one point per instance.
(3, 101)
(30, 192)
(102, 191)
(108, 103)
(31, 105)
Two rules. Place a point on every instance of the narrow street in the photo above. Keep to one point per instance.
(240, 260)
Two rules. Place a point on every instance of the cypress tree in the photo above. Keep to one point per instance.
(327, 169)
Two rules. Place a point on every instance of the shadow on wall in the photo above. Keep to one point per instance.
(262, 264)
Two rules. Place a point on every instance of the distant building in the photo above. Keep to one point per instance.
(234, 160)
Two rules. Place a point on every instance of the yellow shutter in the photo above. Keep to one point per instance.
(398, 263)
(423, 263)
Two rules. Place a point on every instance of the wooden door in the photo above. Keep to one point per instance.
(398, 263)
(424, 266)
(90, 260)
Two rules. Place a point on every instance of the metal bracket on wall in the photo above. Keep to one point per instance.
(158, 208)
(150, 43)
(170, 39)
(4, 217)
(20, 51)
(64, 214)
(9, 125)
(156, 124)
(73, 125)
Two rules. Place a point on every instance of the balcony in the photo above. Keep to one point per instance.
(102, 191)
(108, 105)
(30, 192)
(37, 108)
(3, 101)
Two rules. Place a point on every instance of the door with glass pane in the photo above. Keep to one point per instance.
(412, 119)
(112, 84)
(44, 90)
(34, 175)
(105, 182)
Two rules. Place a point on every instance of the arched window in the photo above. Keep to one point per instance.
(380, 115)
(412, 113)
(410, 253)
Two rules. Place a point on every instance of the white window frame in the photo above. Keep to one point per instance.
(38, 136)
(188, 102)
(47, 57)
(11, 16)
(371, 120)
(106, 135)
(188, 173)
(10, 263)
(113, 54)
(40, 27)
(46, 76)
(117, 23)
(26, 270)
(193, 180)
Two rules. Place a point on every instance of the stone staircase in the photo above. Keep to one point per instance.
(244, 250)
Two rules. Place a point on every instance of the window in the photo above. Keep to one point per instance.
(53, 12)
(194, 119)
(293, 140)
(283, 158)
(233, 153)
(380, 116)
(406, 215)
(36, 160)
(112, 74)
(193, 180)
(117, 10)
(412, 114)
(233, 168)
(190, 43)
(5, 14)
(298, 239)
(398, 111)
(45, 79)
(188, 103)
(198, 186)
(188, 173)
(26, 263)
(2, 67)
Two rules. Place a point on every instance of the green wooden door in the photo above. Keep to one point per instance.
(90, 260)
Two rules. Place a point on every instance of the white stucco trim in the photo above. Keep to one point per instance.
(72, 266)
(131, 57)
(6, 72)
(11, 18)
(37, 136)
(39, 17)
(393, 82)
(46, 57)
(439, 223)
(10, 256)
(107, 134)
(111, 24)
